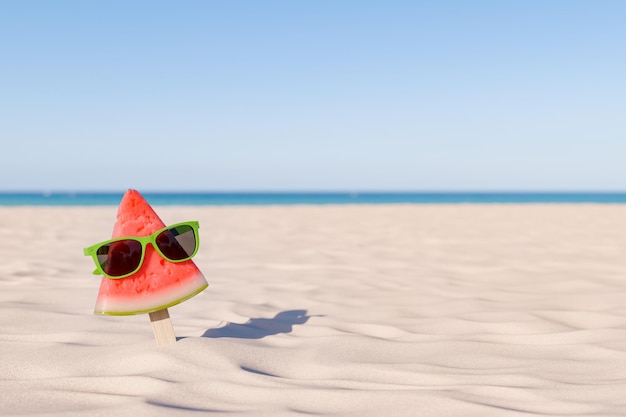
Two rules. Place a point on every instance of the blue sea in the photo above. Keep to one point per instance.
(315, 198)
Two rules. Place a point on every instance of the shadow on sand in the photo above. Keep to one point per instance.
(283, 322)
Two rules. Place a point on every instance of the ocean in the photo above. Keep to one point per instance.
(308, 198)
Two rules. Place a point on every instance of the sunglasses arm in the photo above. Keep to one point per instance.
(87, 252)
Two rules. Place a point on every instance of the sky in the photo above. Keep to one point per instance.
(321, 95)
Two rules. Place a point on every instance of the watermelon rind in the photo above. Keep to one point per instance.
(113, 307)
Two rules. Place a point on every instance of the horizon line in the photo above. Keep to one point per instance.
(324, 191)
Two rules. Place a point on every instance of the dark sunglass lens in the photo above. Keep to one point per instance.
(177, 243)
(119, 258)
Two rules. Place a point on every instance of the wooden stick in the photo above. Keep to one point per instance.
(162, 327)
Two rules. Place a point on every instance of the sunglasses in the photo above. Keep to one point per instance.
(123, 256)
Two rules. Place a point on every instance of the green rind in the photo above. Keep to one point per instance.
(132, 313)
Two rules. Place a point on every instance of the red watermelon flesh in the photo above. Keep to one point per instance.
(159, 283)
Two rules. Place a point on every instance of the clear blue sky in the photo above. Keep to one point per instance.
(313, 95)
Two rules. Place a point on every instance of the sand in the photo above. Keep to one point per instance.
(431, 310)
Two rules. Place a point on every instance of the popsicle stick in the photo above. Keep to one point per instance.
(162, 327)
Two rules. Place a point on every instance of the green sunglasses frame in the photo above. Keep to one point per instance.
(143, 240)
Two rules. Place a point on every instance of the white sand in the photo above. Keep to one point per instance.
(454, 310)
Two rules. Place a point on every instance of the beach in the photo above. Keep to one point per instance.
(333, 310)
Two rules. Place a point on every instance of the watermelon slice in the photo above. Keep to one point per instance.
(158, 284)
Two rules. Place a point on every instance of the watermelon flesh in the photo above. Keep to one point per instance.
(158, 284)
